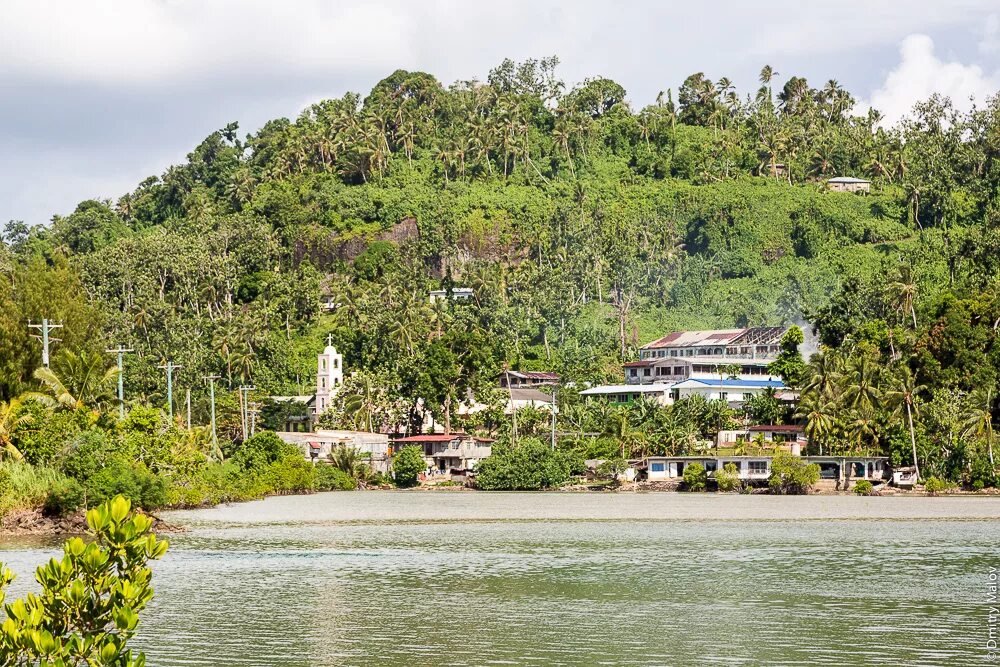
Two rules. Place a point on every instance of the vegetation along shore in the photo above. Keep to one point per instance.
(442, 237)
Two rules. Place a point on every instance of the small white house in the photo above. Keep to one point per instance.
(456, 294)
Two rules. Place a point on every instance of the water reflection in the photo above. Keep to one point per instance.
(552, 579)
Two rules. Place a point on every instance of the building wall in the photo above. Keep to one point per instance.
(329, 377)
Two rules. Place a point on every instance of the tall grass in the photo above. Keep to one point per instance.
(24, 486)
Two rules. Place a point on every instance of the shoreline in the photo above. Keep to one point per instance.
(34, 523)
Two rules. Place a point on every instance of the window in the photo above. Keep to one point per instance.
(645, 372)
(678, 370)
(675, 394)
(631, 372)
(656, 467)
(758, 467)
(673, 353)
(858, 469)
(322, 383)
(723, 395)
(738, 464)
(322, 363)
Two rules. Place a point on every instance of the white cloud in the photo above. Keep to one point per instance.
(990, 42)
(920, 74)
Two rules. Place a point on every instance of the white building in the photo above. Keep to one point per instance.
(456, 294)
(329, 376)
(317, 445)
(758, 468)
(742, 353)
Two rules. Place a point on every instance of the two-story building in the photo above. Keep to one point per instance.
(444, 452)
(727, 364)
(681, 355)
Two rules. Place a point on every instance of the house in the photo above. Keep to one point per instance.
(454, 294)
(849, 184)
(517, 379)
(446, 452)
(734, 392)
(839, 469)
(744, 353)
(781, 434)
(528, 398)
(317, 445)
(623, 394)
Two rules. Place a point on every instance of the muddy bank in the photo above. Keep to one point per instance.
(34, 522)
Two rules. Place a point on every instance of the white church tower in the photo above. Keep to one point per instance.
(329, 376)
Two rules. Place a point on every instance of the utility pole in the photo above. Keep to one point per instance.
(187, 401)
(170, 368)
(121, 350)
(552, 409)
(245, 407)
(45, 328)
(211, 396)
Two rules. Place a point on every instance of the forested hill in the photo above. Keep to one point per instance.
(586, 225)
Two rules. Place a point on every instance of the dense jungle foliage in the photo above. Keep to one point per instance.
(586, 224)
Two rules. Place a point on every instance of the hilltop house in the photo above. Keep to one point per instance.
(849, 184)
(455, 294)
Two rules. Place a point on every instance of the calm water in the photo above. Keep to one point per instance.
(417, 578)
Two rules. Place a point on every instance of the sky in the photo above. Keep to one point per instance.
(95, 96)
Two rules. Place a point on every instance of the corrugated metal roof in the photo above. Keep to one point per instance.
(848, 179)
(695, 338)
(748, 384)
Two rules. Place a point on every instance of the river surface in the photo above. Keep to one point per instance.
(452, 578)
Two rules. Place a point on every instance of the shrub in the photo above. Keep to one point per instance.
(934, 485)
(23, 486)
(529, 466)
(88, 607)
(407, 465)
(695, 477)
(65, 497)
(134, 482)
(330, 478)
(263, 449)
(728, 478)
(613, 469)
(864, 488)
(791, 475)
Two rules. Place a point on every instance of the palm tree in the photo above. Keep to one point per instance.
(10, 421)
(361, 401)
(80, 381)
(902, 396)
(818, 413)
(977, 418)
(904, 290)
(862, 391)
(348, 460)
(827, 370)
(619, 426)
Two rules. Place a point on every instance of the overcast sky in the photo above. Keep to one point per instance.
(95, 95)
